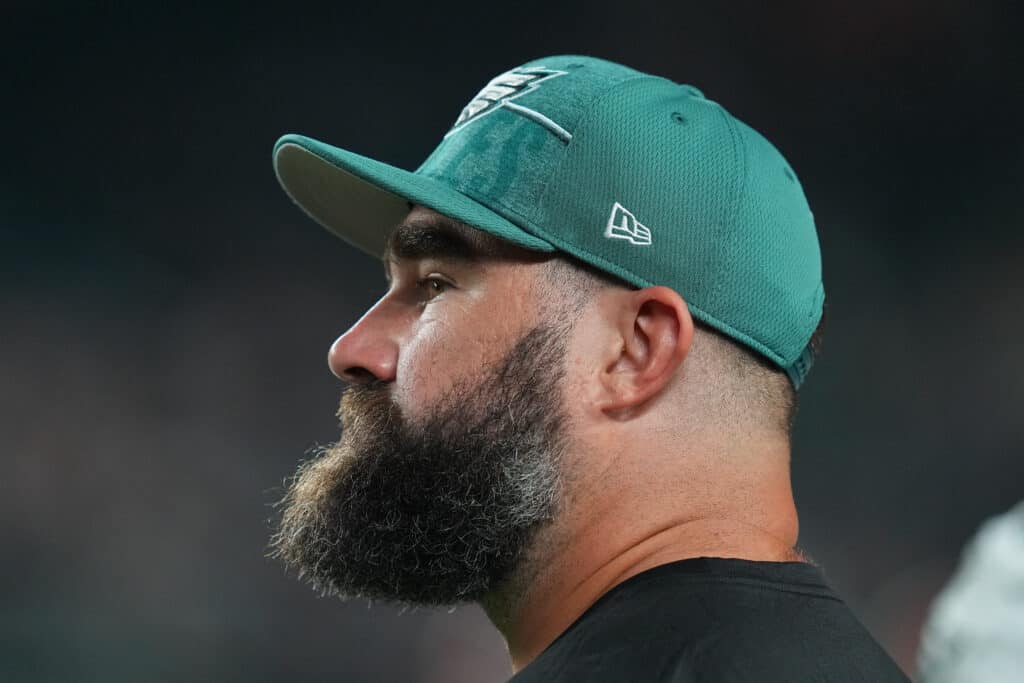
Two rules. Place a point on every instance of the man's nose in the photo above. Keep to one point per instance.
(367, 352)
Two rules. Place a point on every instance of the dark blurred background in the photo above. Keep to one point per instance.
(165, 311)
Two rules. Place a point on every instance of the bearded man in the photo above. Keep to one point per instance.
(573, 403)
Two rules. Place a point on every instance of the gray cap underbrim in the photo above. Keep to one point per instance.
(361, 200)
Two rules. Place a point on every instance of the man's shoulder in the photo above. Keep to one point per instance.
(721, 620)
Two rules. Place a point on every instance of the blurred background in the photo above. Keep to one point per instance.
(165, 311)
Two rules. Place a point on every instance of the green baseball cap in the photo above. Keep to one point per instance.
(636, 175)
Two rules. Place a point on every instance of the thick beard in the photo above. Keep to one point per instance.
(435, 513)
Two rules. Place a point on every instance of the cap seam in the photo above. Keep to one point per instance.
(729, 224)
(584, 118)
(739, 151)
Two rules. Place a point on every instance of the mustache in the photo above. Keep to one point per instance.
(366, 407)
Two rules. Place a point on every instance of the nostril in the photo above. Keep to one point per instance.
(358, 375)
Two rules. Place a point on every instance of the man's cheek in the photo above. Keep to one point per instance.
(437, 352)
(423, 369)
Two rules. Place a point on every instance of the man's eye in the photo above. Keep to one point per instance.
(432, 286)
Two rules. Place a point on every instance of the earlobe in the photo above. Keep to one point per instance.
(656, 331)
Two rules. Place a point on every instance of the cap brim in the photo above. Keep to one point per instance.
(361, 200)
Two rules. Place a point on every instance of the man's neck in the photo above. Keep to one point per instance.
(568, 571)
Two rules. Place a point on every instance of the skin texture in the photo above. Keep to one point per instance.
(654, 470)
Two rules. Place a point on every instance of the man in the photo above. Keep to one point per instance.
(573, 402)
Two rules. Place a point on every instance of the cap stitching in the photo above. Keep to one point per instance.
(739, 153)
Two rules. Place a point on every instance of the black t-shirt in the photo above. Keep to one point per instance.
(712, 620)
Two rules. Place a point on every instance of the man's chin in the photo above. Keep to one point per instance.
(352, 534)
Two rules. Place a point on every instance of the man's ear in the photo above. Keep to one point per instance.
(655, 331)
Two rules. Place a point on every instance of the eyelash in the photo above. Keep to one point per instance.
(425, 284)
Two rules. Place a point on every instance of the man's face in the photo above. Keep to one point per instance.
(452, 433)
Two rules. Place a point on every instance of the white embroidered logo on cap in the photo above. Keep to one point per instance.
(622, 225)
(502, 90)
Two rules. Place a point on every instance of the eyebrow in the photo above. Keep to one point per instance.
(432, 237)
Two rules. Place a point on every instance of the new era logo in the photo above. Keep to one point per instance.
(622, 225)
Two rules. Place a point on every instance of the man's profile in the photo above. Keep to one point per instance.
(573, 402)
